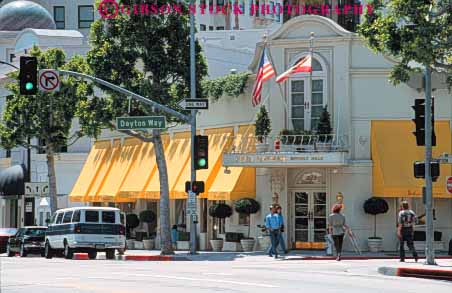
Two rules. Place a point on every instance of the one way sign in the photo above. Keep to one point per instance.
(194, 104)
(49, 80)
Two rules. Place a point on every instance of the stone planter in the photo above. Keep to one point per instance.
(262, 147)
(247, 244)
(217, 244)
(138, 245)
(148, 244)
(130, 243)
(375, 244)
(264, 242)
(183, 245)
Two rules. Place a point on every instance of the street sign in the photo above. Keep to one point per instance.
(191, 206)
(140, 122)
(449, 184)
(194, 104)
(37, 188)
(49, 80)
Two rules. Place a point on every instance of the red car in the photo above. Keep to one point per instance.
(5, 234)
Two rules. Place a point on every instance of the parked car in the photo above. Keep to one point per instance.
(85, 229)
(5, 233)
(27, 240)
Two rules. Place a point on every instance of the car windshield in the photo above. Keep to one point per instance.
(10, 231)
(35, 232)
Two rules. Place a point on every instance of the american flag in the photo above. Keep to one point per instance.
(264, 73)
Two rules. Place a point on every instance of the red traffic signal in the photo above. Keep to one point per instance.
(197, 187)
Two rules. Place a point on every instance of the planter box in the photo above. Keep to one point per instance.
(216, 244)
(148, 244)
(130, 243)
(264, 242)
(138, 245)
(232, 246)
(183, 245)
(248, 244)
(375, 244)
(262, 147)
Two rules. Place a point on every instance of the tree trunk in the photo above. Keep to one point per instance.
(165, 231)
(227, 15)
(50, 154)
(236, 16)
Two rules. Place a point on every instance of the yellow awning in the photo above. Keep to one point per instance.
(394, 150)
(177, 154)
(97, 158)
(235, 183)
(121, 165)
(219, 139)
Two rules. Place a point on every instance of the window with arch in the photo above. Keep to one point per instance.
(307, 100)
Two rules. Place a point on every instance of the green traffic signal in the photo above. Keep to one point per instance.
(29, 86)
(202, 162)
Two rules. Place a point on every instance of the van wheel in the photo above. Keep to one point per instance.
(23, 251)
(92, 254)
(48, 251)
(9, 252)
(110, 253)
(68, 252)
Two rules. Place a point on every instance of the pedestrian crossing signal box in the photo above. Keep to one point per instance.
(197, 187)
(419, 170)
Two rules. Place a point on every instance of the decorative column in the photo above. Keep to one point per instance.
(277, 179)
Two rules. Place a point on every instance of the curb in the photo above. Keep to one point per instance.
(417, 273)
(355, 257)
(84, 256)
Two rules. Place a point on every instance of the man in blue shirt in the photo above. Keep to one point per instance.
(281, 238)
(273, 223)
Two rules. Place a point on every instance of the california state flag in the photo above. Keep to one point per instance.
(304, 65)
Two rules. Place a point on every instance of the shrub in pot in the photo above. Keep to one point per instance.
(247, 206)
(324, 128)
(263, 129)
(218, 211)
(132, 221)
(375, 206)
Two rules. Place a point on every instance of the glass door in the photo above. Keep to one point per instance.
(310, 219)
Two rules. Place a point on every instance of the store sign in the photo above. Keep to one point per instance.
(307, 159)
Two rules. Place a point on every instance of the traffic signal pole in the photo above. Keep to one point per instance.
(429, 249)
(193, 125)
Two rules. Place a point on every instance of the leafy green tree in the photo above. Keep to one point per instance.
(411, 30)
(48, 117)
(149, 55)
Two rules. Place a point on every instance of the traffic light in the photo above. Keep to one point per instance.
(197, 187)
(28, 76)
(201, 152)
(419, 169)
(419, 121)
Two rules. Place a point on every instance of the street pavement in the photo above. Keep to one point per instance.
(222, 273)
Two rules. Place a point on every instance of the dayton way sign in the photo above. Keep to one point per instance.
(141, 122)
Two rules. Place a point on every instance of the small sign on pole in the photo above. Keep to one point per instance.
(191, 206)
(49, 80)
(194, 104)
(37, 188)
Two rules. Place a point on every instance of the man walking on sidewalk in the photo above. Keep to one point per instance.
(273, 224)
(281, 238)
(405, 231)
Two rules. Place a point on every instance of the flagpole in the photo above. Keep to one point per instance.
(286, 107)
(308, 103)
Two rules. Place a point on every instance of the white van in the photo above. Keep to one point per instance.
(85, 229)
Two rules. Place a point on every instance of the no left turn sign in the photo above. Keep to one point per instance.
(49, 80)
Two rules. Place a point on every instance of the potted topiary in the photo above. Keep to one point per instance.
(132, 222)
(148, 217)
(263, 129)
(247, 206)
(375, 206)
(324, 130)
(218, 211)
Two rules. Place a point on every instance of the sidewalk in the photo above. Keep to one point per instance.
(442, 271)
